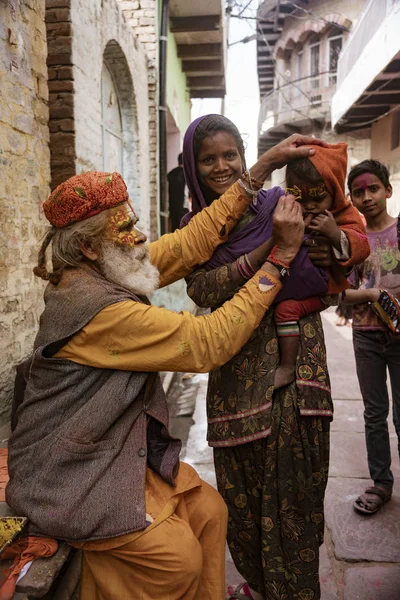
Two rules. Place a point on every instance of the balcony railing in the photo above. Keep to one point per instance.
(373, 15)
(298, 101)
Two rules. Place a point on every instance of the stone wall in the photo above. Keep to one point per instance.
(25, 176)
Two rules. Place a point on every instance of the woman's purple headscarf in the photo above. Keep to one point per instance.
(305, 279)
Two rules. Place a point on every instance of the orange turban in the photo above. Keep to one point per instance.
(83, 196)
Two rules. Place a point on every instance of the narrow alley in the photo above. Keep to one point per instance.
(360, 559)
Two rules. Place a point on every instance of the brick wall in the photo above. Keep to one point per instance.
(25, 176)
(141, 15)
(61, 88)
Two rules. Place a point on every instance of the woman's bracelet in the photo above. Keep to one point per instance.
(252, 181)
(272, 258)
(244, 267)
(251, 192)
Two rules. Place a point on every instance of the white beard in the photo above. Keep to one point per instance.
(129, 267)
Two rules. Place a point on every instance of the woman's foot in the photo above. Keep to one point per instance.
(340, 322)
(372, 499)
(284, 375)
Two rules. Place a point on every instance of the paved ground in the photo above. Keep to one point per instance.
(360, 559)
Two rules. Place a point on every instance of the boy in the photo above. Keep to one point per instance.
(376, 348)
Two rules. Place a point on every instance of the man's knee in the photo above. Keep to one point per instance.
(209, 505)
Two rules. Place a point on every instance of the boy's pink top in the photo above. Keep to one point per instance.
(380, 270)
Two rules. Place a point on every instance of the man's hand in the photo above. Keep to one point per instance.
(288, 228)
(292, 148)
(320, 251)
(325, 225)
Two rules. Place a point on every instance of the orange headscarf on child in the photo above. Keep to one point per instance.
(331, 164)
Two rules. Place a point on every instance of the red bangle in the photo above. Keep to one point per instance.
(277, 261)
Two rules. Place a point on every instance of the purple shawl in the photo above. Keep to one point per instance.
(305, 280)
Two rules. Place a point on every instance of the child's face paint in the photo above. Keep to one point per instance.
(314, 200)
(369, 195)
(219, 164)
(121, 229)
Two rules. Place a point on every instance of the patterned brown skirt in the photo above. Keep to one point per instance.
(274, 489)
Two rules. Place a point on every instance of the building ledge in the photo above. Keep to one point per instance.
(199, 31)
(369, 69)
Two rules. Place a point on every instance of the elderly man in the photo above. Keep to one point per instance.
(90, 458)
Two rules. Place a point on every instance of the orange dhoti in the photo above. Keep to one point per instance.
(180, 556)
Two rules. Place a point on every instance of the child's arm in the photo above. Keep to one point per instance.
(325, 224)
(360, 296)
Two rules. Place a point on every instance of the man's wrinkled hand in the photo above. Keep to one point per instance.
(288, 228)
(292, 148)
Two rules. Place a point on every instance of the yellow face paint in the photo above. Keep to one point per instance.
(120, 227)
(294, 191)
(318, 191)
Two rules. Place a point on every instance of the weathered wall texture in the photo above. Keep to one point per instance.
(25, 174)
(141, 15)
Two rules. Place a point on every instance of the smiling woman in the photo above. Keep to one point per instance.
(266, 435)
(219, 163)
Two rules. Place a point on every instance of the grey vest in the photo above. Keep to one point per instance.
(82, 436)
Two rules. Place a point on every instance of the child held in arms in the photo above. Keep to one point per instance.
(376, 325)
(318, 184)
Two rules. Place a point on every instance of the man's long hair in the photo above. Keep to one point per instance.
(66, 246)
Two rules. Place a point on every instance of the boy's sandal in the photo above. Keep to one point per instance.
(370, 506)
(239, 593)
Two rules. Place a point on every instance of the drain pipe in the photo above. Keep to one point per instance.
(162, 117)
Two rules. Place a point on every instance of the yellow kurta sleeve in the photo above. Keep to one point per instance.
(176, 254)
(137, 337)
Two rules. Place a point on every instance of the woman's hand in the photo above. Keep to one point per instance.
(320, 251)
(292, 148)
(288, 228)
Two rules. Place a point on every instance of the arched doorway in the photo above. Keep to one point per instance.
(119, 118)
(111, 124)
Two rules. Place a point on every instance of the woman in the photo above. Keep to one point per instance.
(271, 450)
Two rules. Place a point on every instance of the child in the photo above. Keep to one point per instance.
(325, 207)
(375, 321)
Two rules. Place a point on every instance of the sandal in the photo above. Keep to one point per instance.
(241, 592)
(362, 503)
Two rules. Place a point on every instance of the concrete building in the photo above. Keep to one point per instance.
(367, 97)
(298, 48)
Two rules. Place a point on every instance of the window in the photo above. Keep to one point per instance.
(335, 47)
(314, 65)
